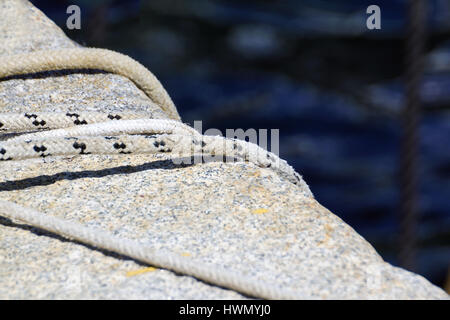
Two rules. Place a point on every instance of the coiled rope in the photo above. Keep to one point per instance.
(74, 134)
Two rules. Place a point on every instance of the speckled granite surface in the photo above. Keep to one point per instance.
(23, 28)
(235, 215)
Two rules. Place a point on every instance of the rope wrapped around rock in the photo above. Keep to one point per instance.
(82, 133)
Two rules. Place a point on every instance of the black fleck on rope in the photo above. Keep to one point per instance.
(409, 206)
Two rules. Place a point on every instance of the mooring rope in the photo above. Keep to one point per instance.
(84, 133)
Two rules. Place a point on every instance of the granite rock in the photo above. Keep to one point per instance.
(236, 215)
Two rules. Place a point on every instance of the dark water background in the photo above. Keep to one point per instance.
(312, 69)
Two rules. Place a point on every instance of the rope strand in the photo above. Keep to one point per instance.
(199, 269)
(90, 58)
(36, 121)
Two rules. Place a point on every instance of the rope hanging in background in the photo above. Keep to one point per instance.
(409, 206)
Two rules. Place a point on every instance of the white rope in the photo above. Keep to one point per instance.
(35, 121)
(139, 126)
(28, 146)
(95, 133)
(213, 274)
